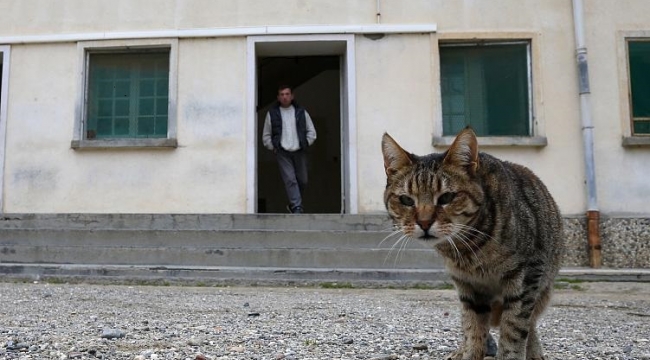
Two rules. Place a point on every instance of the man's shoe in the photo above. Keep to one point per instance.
(295, 210)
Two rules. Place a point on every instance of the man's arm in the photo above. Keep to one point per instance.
(311, 130)
(266, 133)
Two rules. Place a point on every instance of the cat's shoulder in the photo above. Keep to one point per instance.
(494, 164)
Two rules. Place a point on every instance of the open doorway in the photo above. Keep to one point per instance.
(317, 88)
(321, 70)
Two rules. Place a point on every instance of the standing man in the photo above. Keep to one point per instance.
(288, 132)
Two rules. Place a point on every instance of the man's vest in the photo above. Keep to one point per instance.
(276, 126)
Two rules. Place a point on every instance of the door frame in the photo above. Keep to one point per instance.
(349, 191)
(5, 52)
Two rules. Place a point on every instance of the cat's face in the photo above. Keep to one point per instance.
(435, 197)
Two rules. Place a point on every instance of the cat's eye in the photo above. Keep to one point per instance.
(446, 198)
(406, 201)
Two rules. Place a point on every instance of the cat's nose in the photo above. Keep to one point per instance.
(425, 224)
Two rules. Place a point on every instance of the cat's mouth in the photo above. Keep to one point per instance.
(427, 236)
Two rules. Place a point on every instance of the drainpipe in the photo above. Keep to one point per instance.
(593, 215)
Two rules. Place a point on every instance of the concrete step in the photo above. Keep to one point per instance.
(292, 239)
(220, 276)
(221, 249)
(367, 222)
(262, 276)
(287, 241)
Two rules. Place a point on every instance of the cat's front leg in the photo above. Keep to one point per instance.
(514, 331)
(475, 323)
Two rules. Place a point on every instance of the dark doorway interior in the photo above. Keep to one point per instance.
(317, 87)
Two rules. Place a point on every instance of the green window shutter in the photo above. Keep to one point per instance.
(639, 54)
(128, 95)
(486, 87)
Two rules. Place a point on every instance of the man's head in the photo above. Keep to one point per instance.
(285, 95)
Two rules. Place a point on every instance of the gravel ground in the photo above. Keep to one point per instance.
(79, 321)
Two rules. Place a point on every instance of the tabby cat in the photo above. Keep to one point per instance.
(496, 226)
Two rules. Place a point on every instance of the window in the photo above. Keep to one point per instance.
(486, 86)
(639, 58)
(127, 94)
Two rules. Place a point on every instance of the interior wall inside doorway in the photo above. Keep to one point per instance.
(317, 87)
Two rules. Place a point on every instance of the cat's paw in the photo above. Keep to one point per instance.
(456, 355)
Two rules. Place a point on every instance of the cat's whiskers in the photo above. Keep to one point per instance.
(398, 241)
(457, 253)
(461, 235)
(400, 249)
(395, 232)
(471, 228)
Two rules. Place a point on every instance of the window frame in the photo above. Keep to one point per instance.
(625, 95)
(630, 103)
(536, 137)
(85, 49)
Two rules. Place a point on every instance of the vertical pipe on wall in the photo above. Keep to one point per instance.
(593, 214)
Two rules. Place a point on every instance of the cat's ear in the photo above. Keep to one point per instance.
(464, 150)
(395, 157)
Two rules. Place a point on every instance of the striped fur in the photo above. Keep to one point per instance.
(498, 229)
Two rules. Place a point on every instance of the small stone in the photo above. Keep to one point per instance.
(386, 357)
(420, 347)
(147, 353)
(75, 355)
(193, 342)
(139, 357)
(254, 314)
(237, 349)
(348, 341)
(200, 357)
(113, 334)
(11, 345)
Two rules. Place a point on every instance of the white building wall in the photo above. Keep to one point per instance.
(623, 173)
(397, 82)
(394, 95)
(204, 174)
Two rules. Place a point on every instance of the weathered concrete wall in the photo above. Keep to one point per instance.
(203, 175)
(397, 82)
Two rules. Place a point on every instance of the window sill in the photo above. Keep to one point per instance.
(527, 141)
(631, 141)
(124, 144)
